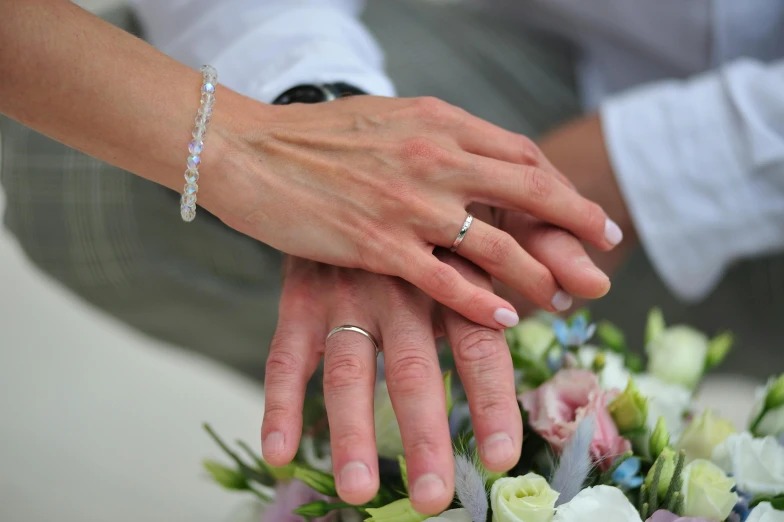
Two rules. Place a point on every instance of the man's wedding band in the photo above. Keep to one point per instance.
(463, 231)
(357, 329)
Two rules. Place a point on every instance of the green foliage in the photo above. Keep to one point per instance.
(611, 337)
(227, 477)
(718, 348)
(655, 325)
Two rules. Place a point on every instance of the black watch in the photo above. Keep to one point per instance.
(317, 93)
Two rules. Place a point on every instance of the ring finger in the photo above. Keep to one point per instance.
(349, 378)
(502, 257)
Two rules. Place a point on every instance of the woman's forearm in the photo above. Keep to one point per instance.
(92, 86)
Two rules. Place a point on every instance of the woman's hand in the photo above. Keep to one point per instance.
(317, 298)
(377, 183)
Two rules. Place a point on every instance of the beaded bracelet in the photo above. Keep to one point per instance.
(196, 146)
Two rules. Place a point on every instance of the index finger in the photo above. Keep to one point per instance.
(485, 367)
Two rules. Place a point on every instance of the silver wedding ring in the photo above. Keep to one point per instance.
(356, 329)
(463, 231)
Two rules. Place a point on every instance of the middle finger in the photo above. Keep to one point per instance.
(417, 392)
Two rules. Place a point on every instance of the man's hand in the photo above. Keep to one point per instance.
(317, 298)
(577, 150)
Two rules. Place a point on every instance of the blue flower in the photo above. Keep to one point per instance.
(628, 476)
(575, 335)
(741, 510)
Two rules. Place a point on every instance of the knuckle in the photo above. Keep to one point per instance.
(276, 411)
(594, 218)
(421, 149)
(528, 151)
(349, 439)
(479, 344)
(442, 280)
(433, 109)
(423, 445)
(409, 370)
(539, 184)
(543, 285)
(280, 361)
(498, 248)
(491, 405)
(344, 369)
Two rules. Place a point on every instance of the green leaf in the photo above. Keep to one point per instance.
(450, 401)
(401, 460)
(249, 472)
(584, 312)
(227, 477)
(655, 325)
(320, 508)
(611, 336)
(324, 483)
(777, 501)
(718, 348)
(633, 362)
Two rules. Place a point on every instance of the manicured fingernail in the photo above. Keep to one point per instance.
(498, 449)
(506, 317)
(612, 232)
(273, 444)
(355, 476)
(562, 301)
(428, 488)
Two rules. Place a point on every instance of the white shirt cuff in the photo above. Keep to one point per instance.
(698, 200)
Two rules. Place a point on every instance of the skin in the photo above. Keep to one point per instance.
(368, 182)
(318, 297)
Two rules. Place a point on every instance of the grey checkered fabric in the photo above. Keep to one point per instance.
(117, 240)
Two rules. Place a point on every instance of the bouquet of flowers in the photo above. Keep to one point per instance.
(608, 437)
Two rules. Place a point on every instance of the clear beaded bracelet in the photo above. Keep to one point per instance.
(196, 146)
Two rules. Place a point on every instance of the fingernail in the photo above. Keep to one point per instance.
(612, 232)
(428, 488)
(273, 444)
(594, 270)
(355, 476)
(498, 449)
(562, 301)
(506, 317)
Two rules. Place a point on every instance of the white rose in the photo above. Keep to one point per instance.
(532, 337)
(703, 434)
(614, 375)
(522, 499)
(678, 355)
(453, 515)
(772, 422)
(757, 465)
(598, 504)
(707, 491)
(666, 400)
(764, 512)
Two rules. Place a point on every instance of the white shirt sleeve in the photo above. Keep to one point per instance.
(261, 48)
(701, 166)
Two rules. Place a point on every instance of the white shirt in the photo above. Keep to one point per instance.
(691, 94)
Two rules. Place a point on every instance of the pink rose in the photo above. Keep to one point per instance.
(557, 407)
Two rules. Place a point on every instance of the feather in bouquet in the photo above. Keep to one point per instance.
(608, 439)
